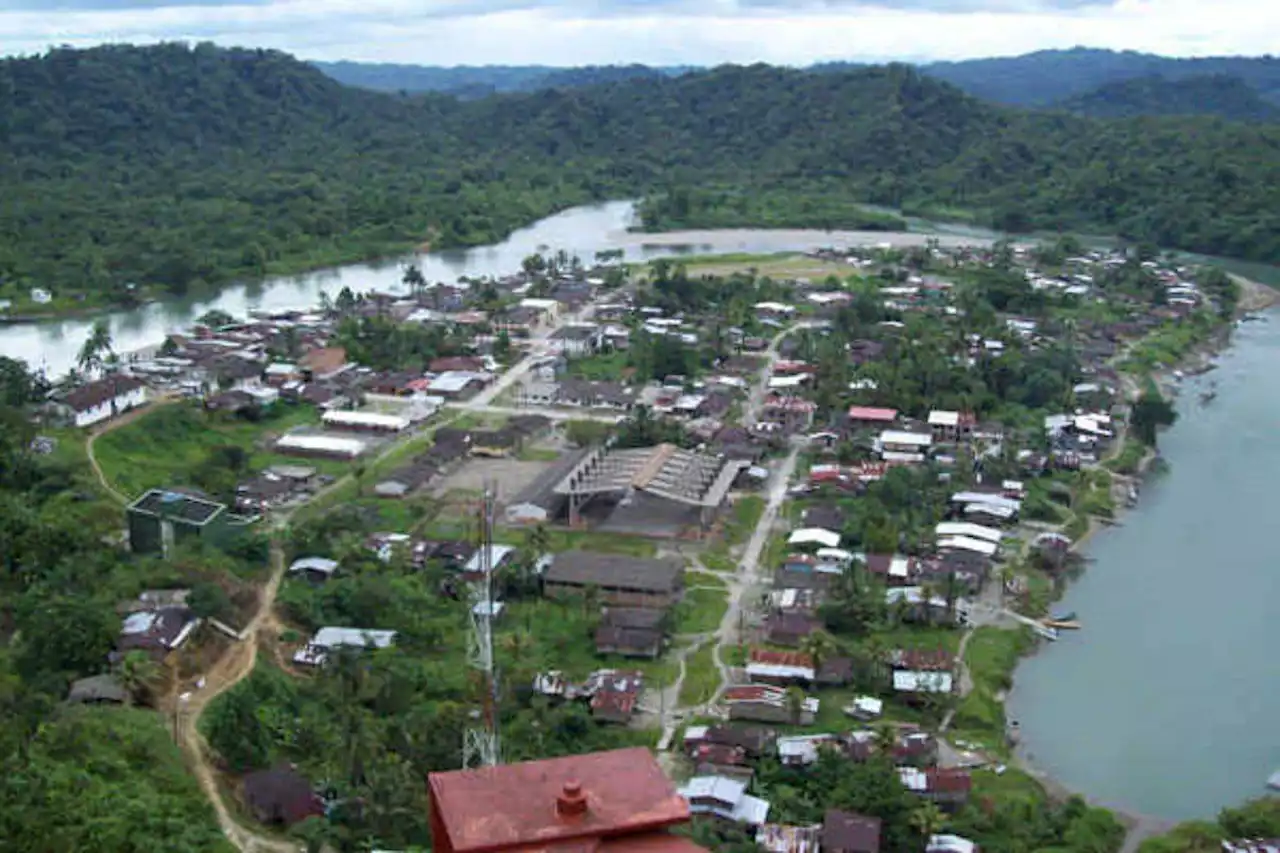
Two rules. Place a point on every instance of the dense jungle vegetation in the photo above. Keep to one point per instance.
(129, 172)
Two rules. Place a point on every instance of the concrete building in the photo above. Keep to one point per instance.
(160, 518)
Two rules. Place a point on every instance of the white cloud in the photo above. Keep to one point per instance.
(570, 32)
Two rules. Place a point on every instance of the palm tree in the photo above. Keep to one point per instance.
(820, 647)
(139, 675)
(96, 346)
(927, 819)
(795, 704)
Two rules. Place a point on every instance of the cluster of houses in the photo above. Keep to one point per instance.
(724, 757)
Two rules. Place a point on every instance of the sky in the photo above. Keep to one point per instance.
(656, 32)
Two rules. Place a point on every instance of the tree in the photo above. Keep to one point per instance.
(795, 704)
(96, 347)
(927, 819)
(586, 433)
(502, 346)
(414, 280)
(1150, 413)
(139, 675)
(820, 647)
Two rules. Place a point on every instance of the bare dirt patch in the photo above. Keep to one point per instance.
(511, 476)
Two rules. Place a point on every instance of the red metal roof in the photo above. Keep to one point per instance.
(870, 413)
(768, 656)
(516, 805)
(924, 660)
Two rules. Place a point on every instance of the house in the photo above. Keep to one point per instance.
(893, 569)
(314, 569)
(903, 442)
(949, 427)
(781, 668)
(575, 340)
(618, 801)
(40, 296)
(620, 579)
(584, 394)
(790, 627)
(846, 832)
(783, 838)
(281, 796)
(97, 690)
(319, 363)
(104, 398)
(711, 759)
(948, 787)
(755, 741)
(631, 631)
(802, 750)
(764, 703)
(814, 536)
(919, 683)
(960, 844)
(615, 695)
(326, 640)
(159, 518)
(870, 417)
(155, 632)
(790, 414)
(458, 384)
(724, 798)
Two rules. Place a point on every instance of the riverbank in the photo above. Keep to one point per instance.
(1078, 659)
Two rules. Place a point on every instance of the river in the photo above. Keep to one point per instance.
(1167, 703)
(52, 345)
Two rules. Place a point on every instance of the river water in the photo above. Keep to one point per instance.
(1167, 703)
(53, 345)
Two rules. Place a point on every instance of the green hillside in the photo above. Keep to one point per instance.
(1210, 95)
(178, 168)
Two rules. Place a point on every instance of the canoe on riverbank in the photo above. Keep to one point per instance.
(1062, 624)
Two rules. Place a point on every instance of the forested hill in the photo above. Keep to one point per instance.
(1046, 77)
(1039, 79)
(1212, 94)
(172, 167)
(475, 81)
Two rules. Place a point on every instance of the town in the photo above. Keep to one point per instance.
(756, 541)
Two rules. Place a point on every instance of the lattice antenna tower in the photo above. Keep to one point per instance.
(481, 744)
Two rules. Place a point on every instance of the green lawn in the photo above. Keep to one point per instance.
(558, 635)
(701, 678)
(161, 448)
(746, 515)
(701, 610)
(604, 543)
(718, 561)
(692, 579)
(538, 454)
(605, 366)
(991, 656)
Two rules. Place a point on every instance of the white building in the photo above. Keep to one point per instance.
(326, 640)
(105, 398)
(725, 798)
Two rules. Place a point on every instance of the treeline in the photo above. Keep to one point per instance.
(682, 207)
(130, 171)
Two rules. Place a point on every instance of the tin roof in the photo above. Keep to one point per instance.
(625, 792)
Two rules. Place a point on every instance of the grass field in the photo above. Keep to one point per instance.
(701, 677)
(782, 265)
(700, 610)
(991, 656)
(161, 448)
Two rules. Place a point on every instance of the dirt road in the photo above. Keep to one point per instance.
(232, 668)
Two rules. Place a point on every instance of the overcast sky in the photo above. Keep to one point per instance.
(576, 32)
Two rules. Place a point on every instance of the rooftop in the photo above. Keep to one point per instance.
(177, 506)
(554, 801)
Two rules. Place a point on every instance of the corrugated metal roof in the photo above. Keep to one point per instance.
(626, 792)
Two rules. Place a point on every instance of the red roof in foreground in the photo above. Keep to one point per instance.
(573, 802)
(870, 413)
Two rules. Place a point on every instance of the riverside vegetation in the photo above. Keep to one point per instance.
(136, 172)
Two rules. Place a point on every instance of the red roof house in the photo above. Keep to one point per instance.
(871, 415)
(602, 802)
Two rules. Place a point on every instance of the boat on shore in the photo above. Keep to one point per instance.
(1062, 624)
(1045, 631)
(1062, 616)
